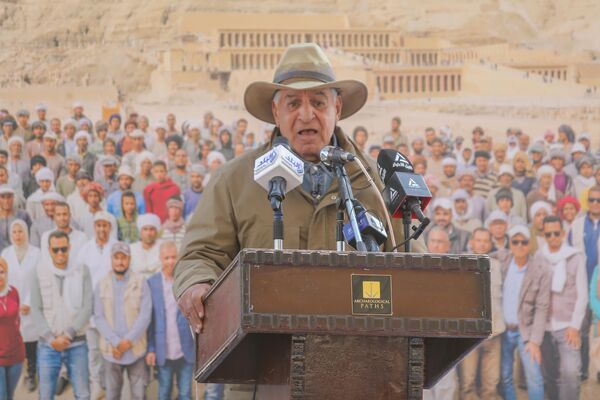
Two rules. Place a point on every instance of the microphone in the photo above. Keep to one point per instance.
(404, 190)
(371, 228)
(279, 170)
(335, 155)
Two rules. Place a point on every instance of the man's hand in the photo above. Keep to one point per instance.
(25, 310)
(60, 343)
(573, 338)
(151, 359)
(191, 306)
(116, 354)
(124, 345)
(534, 352)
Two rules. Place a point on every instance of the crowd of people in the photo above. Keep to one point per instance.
(92, 216)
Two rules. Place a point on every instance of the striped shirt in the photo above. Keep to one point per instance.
(484, 184)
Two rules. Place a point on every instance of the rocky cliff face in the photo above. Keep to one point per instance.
(114, 42)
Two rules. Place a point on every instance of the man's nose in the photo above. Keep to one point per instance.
(306, 111)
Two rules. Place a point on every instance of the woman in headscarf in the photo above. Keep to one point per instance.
(23, 258)
(568, 208)
(143, 175)
(499, 151)
(174, 226)
(545, 190)
(226, 144)
(11, 342)
(585, 176)
(524, 177)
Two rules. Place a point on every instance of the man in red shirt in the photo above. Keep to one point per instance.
(157, 193)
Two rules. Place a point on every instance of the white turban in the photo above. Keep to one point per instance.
(44, 174)
(442, 202)
(537, 206)
(52, 196)
(548, 170)
(82, 134)
(148, 219)
(215, 155)
(144, 155)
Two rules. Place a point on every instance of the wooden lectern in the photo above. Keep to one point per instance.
(330, 325)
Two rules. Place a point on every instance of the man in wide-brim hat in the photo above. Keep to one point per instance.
(305, 102)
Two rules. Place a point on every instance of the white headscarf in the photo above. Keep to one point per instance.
(548, 170)
(20, 251)
(559, 263)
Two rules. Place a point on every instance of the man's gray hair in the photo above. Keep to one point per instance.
(438, 229)
(334, 91)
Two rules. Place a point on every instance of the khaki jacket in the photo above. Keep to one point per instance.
(234, 214)
(534, 298)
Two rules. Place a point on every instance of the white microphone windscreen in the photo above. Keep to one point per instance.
(279, 161)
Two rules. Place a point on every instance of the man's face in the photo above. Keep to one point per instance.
(73, 167)
(93, 199)
(460, 205)
(148, 235)
(500, 155)
(449, 170)
(38, 131)
(78, 111)
(554, 235)
(429, 135)
(519, 246)
(241, 127)
(168, 258)
(481, 242)
(109, 170)
(418, 146)
(159, 173)
(172, 148)
(23, 119)
(59, 251)
(70, 131)
(174, 213)
(181, 158)
(196, 181)
(395, 125)
(585, 143)
(3, 176)
(524, 142)
(482, 164)
(55, 125)
(49, 207)
(6, 201)
(360, 138)
(15, 149)
(467, 182)
(586, 170)
(125, 182)
(138, 143)
(82, 183)
(128, 205)
(62, 217)
(438, 242)
(442, 217)
(545, 180)
(467, 153)
(49, 144)
(120, 263)
(498, 229)
(82, 144)
(437, 149)
(307, 119)
(594, 203)
(102, 230)
(538, 219)
(505, 180)
(45, 184)
(171, 121)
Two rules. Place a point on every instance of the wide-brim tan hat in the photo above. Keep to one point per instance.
(303, 66)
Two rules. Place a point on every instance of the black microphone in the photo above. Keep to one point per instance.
(371, 229)
(404, 190)
(331, 154)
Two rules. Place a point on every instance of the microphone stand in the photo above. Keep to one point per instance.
(347, 199)
(340, 245)
(276, 197)
(406, 222)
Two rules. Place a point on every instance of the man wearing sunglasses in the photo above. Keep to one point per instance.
(525, 302)
(561, 349)
(61, 306)
(584, 235)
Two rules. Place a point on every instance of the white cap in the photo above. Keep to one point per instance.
(44, 174)
(82, 134)
(496, 215)
(506, 169)
(16, 138)
(137, 133)
(5, 189)
(125, 170)
(460, 194)
(51, 196)
(148, 219)
(539, 205)
(41, 107)
(103, 216)
(77, 104)
(449, 161)
(161, 125)
(215, 155)
(50, 135)
(578, 148)
(519, 230)
(442, 202)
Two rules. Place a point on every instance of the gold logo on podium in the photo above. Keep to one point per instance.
(371, 290)
(371, 294)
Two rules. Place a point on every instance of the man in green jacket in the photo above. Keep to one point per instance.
(305, 102)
